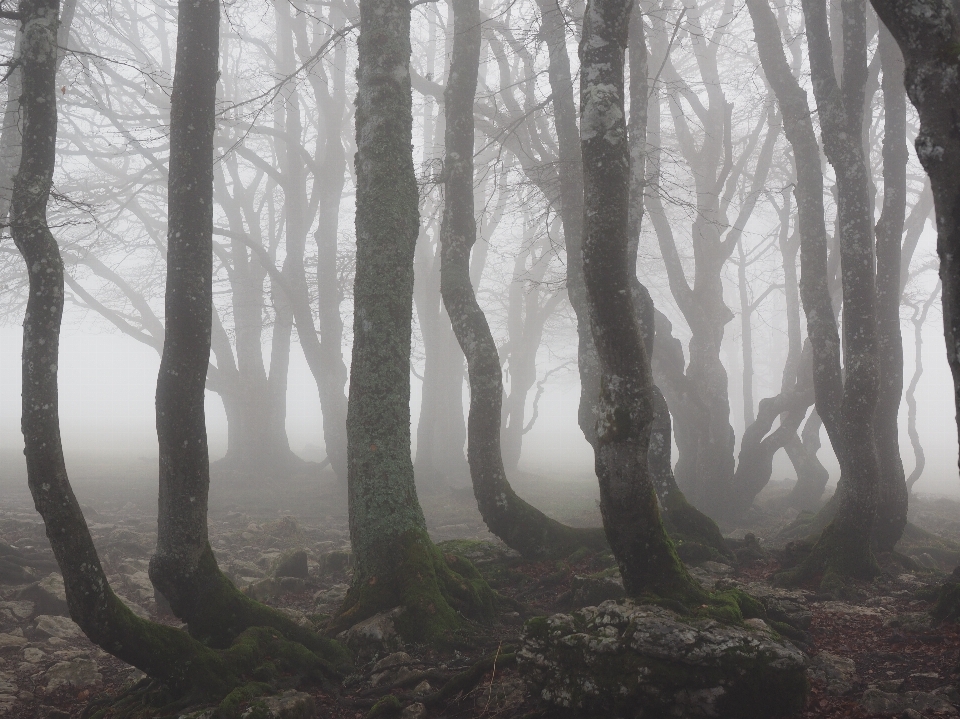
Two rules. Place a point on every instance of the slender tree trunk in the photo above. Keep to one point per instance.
(396, 564)
(927, 32)
(893, 495)
(184, 568)
(628, 501)
(920, 459)
(518, 524)
(160, 651)
(553, 29)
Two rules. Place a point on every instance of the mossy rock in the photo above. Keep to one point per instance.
(292, 564)
(947, 608)
(632, 660)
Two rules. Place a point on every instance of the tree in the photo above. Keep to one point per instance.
(187, 666)
(628, 500)
(396, 564)
(927, 32)
(517, 523)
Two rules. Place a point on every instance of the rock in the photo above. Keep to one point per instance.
(883, 703)
(290, 705)
(6, 703)
(21, 610)
(910, 622)
(392, 661)
(838, 673)
(414, 711)
(854, 609)
(758, 624)
(716, 567)
(592, 590)
(329, 600)
(292, 564)
(33, 655)
(644, 659)
(60, 627)
(141, 584)
(374, 635)
(48, 595)
(11, 640)
(7, 684)
(422, 689)
(76, 673)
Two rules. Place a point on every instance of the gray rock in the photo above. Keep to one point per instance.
(290, 705)
(592, 590)
(20, 609)
(625, 657)
(11, 640)
(60, 627)
(414, 711)
(883, 703)
(838, 673)
(374, 635)
(76, 673)
(48, 595)
(33, 655)
(909, 622)
(7, 684)
(329, 600)
(392, 661)
(292, 564)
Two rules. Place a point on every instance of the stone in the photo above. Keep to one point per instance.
(33, 655)
(20, 609)
(75, 673)
(909, 622)
(415, 711)
(335, 562)
(882, 703)
(140, 584)
(48, 595)
(853, 609)
(592, 590)
(758, 624)
(838, 673)
(639, 659)
(7, 684)
(329, 600)
(290, 705)
(292, 564)
(422, 689)
(12, 640)
(392, 661)
(60, 627)
(374, 635)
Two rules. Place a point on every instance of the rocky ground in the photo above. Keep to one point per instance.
(872, 653)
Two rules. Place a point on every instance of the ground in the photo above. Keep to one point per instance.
(882, 627)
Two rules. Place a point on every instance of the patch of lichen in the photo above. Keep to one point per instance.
(435, 590)
(628, 683)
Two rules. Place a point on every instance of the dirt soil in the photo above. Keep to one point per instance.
(49, 670)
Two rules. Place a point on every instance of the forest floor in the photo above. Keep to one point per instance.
(874, 653)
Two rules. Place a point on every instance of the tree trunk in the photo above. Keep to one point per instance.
(893, 495)
(168, 654)
(518, 524)
(927, 32)
(628, 501)
(396, 564)
(184, 568)
(553, 29)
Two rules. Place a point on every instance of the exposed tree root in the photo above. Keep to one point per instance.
(436, 591)
(834, 561)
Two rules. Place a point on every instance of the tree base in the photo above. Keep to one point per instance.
(435, 591)
(835, 560)
(696, 536)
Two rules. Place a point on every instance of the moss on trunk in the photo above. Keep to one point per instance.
(436, 591)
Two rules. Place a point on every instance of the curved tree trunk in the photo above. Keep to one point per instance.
(628, 501)
(518, 524)
(162, 652)
(920, 459)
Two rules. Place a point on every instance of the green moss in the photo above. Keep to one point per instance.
(384, 707)
(436, 591)
(698, 538)
(234, 702)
